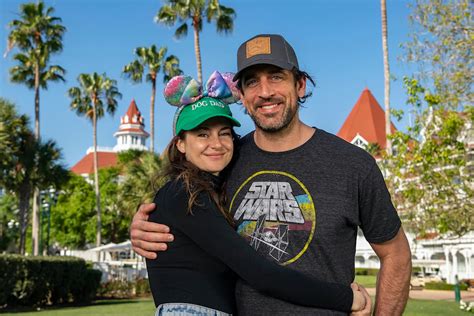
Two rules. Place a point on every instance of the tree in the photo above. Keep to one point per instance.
(195, 10)
(9, 225)
(26, 163)
(386, 67)
(141, 177)
(430, 177)
(38, 35)
(72, 223)
(154, 61)
(441, 44)
(430, 173)
(95, 95)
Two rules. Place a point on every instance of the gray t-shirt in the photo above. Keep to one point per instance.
(302, 208)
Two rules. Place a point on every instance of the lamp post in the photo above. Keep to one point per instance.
(48, 198)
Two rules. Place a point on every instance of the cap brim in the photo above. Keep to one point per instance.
(199, 120)
(263, 61)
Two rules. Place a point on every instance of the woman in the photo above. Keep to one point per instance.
(197, 274)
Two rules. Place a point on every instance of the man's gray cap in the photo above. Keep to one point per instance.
(270, 49)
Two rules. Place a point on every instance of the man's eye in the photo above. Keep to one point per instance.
(277, 77)
(204, 135)
(226, 134)
(250, 82)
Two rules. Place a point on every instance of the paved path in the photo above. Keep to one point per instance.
(467, 296)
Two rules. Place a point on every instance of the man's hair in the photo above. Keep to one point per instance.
(195, 182)
(297, 75)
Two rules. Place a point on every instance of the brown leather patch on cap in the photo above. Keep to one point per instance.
(257, 46)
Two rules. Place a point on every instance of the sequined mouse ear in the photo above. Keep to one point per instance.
(228, 78)
(182, 90)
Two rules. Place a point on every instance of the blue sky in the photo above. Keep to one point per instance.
(338, 42)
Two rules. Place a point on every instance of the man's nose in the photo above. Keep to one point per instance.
(266, 89)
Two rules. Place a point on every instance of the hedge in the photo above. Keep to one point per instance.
(124, 289)
(444, 286)
(366, 271)
(37, 281)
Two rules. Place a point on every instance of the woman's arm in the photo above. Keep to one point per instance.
(210, 231)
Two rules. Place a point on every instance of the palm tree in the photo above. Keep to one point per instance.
(26, 163)
(195, 11)
(95, 95)
(141, 179)
(38, 35)
(154, 60)
(388, 131)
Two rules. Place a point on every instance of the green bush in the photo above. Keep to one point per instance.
(36, 281)
(443, 286)
(116, 289)
(142, 287)
(366, 271)
(124, 289)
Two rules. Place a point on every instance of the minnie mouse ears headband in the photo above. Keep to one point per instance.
(195, 106)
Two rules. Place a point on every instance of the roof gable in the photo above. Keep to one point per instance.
(367, 119)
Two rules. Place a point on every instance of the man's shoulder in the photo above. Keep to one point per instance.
(339, 150)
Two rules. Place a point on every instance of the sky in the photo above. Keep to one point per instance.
(338, 42)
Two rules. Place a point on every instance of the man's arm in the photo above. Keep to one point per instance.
(147, 237)
(393, 280)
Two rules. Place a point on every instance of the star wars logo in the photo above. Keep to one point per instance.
(275, 200)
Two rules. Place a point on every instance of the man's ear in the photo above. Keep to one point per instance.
(301, 87)
(180, 145)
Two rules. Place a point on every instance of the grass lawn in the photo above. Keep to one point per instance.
(141, 307)
(367, 281)
(104, 307)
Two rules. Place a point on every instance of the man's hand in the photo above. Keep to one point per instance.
(359, 290)
(147, 237)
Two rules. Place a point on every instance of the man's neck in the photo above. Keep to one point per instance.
(289, 138)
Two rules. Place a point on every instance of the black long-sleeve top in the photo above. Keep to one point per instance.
(201, 264)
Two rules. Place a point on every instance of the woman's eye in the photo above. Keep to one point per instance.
(202, 135)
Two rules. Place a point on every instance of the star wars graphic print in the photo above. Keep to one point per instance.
(276, 214)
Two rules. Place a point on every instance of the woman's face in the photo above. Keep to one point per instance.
(210, 146)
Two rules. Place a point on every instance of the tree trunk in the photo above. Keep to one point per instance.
(24, 201)
(36, 199)
(197, 51)
(386, 67)
(98, 240)
(152, 114)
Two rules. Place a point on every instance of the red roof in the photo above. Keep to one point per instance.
(86, 164)
(133, 114)
(367, 119)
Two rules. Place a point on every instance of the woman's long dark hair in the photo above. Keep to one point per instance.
(178, 168)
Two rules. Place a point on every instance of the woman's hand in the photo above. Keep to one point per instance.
(362, 304)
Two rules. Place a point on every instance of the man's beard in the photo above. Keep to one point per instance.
(288, 116)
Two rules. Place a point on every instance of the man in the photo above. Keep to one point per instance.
(297, 193)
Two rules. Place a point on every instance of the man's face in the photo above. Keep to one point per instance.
(270, 95)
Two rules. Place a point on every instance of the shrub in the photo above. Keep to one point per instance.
(443, 286)
(36, 281)
(142, 287)
(116, 289)
(366, 271)
(124, 289)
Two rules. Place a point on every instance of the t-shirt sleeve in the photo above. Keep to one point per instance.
(378, 217)
(208, 228)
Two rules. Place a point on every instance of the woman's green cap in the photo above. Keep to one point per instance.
(194, 114)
